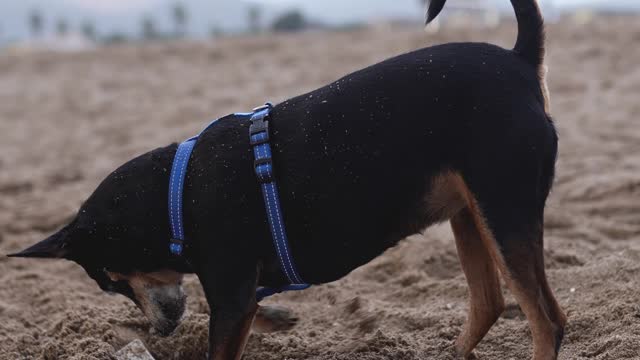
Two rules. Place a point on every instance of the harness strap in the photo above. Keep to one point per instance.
(176, 185)
(263, 165)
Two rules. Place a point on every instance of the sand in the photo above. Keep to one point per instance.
(66, 120)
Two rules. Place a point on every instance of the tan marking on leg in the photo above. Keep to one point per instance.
(444, 199)
(479, 258)
(485, 296)
(552, 307)
(470, 202)
(528, 282)
(525, 277)
(519, 272)
(546, 320)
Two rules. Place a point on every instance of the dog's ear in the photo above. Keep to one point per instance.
(53, 247)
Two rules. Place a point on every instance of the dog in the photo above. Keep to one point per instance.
(458, 132)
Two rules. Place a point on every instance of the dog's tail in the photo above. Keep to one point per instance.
(530, 43)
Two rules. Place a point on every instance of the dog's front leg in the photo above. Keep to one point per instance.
(233, 307)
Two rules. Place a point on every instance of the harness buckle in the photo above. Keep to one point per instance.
(259, 139)
(264, 169)
(259, 131)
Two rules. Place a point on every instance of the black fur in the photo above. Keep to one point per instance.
(353, 162)
(530, 42)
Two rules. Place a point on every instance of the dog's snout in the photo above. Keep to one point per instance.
(159, 296)
(170, 302)
(164, 306)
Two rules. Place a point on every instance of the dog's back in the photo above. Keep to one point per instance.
(394, 127)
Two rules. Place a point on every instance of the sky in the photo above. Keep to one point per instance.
(112, 5)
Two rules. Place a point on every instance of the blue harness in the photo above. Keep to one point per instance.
(263, 165)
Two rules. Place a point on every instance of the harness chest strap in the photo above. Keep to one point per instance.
(176, 185)
(263, 165)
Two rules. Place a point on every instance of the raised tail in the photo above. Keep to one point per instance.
(530, 43)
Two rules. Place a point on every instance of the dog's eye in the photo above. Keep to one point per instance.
(122, 287)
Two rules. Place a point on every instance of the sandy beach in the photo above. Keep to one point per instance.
(68, 119)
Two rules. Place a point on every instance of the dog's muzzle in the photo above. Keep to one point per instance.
(164, 306)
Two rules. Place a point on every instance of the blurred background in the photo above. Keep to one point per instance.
(86, 85)
(79, 24)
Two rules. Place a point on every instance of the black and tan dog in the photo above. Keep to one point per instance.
(457, 132)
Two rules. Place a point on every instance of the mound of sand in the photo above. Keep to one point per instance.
(67, 120)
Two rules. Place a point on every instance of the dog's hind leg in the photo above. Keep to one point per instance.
(485, 296)
(524, 274)
(513, 222)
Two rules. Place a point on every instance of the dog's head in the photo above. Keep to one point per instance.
(120, 237)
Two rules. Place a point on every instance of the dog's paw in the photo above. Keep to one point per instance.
(274, 318)
(455, 352)
(472, 356)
